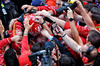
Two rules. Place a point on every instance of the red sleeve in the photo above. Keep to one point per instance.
(83, 31)
(40, 8)
(54, 10)
(47, 8)
(4, 42)
(24, 43)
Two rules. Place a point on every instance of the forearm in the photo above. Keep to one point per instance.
(2, 36)
(71, 43)
(5, 41)
(25, 32)
(78, 18)
(47, 28)
(75, 33)
(58, 21)
(87, 19)
(25, 41)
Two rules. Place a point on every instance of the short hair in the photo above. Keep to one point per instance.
(37, 47)
(96, 17)
(10, 58)
(95, 10)
(94, 38)
(91, 53)
(89, 6)
(65, 60)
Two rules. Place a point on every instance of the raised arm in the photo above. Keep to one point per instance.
(43, 23)
(73, 27)
(1, 30)
(54, 19)
(25, 36)
(70, 42)
(6, 41)
(85, 16)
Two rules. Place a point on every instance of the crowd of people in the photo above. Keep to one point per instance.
(50, 33)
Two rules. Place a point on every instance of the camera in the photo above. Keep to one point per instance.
(45, 58)
(64, 7)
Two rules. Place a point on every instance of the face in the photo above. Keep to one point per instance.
(83, 49)
(41, 39)
(58, 3)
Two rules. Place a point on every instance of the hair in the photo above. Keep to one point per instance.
(94, 38)
(10, 58)
(95, 10)
(37, 47)
(89, 6)
(96, 17)
(65, 60)
(93, 53)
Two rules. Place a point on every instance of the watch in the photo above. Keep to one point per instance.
(71, 19)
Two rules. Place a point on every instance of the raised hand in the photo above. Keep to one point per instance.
(29, 7)
(79, 5)
(27, 25)
(39, 19)
(16, 38)
(1, 27)
(69, 13)
(45, 33)
(43, 13)
(61, 32)
(11, 23)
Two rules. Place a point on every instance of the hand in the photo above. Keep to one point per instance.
(61, 32)
(69, 13)
(1, 27)
(29, 7)
(16, 38)
(11, 23)
(27, 26)
(39, 19)
(45, 33)
(79, 5)
(43, 13)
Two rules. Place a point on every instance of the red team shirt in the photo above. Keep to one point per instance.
(3, 43)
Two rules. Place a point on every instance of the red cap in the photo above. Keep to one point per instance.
(36, 28)
(24, 60)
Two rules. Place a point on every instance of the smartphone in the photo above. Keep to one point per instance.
(55, 28)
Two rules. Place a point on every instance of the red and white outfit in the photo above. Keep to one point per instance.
(47, 8)
(83, 31)
(3, 43)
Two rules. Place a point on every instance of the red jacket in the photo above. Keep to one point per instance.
(83, 31)
(3, 43)
(23, 59)
(47, 8)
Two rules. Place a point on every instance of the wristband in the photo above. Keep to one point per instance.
(64, 35)
(43, 22)
(71, 19)
(25, 34)
(50, 38)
